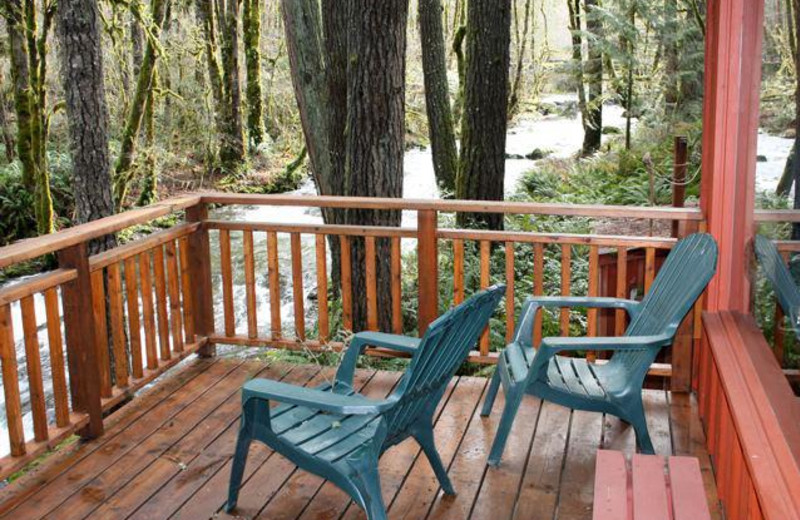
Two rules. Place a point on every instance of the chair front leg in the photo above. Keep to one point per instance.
(513, 399)
(491, 394)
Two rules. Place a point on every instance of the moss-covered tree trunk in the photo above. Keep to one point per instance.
(437, 94)
(28, 53)
(481, 170)
(8, 138)
(123, 171)
(206, 18)
(251, 27)
(84, 92)
(521, 46)
(232, 149)
(593, 121)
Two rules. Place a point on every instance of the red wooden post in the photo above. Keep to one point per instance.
(428, 269)
(730, 122)
(79, 327)
(200, 274)
(679, 168)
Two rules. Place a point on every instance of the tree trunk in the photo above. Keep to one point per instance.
(123, 171)
(458, 50)
(232, 150)
(376, 128)
(8, 137)
(437, 95)
(481, 171)
(522, 43)
(593, 122)
(574, 8)
(84, 93)
(334, 31)
(671, 62)
(206, 18)
(251, 26)
(28, 70)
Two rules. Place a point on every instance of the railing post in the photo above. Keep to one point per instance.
(79, 328)
(427, 268)
(200, 273)
(679, 169)
(682, 347)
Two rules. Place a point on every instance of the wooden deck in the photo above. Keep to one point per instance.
(167, 455)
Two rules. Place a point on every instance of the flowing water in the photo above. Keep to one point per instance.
(561, 136)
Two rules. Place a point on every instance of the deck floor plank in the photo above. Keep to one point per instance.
(174, 492)
(177, 458)
(59, 462)
(264, 473)
(167, 454)
(413, 495)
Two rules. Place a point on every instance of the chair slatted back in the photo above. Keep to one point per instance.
(778, 274)
(443, 349)
(679, 283)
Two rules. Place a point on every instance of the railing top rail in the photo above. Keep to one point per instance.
(451, 206)
(777, 215)
(45, 244)
(35, 247)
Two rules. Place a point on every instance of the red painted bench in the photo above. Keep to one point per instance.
(647, 489)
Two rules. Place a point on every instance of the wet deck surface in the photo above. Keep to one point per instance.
(167, 455)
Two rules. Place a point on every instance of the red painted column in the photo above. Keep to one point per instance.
(730, 126)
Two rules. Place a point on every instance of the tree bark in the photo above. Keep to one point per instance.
(437, 95)
(483, 128)
(251, 26)
(232, 150)
(796, 163)
(8, 139)
(206, 18)
(522, 43)
(671, 61)
(84, 93)
(593, 122)
(376, 129)
(144, 84)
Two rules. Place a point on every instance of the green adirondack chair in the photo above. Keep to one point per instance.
(781, 279)
(614, 387)
(338, 434)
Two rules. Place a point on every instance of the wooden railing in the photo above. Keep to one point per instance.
(751, 418)
(132, 312)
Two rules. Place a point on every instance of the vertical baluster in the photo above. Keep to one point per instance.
(175, 317)
(485, 265)
(566, 264)
(274, 286)
(622, 289)
(227, 281)
(594, 264)
(56, 348)
(649, 268)
(347, 284)
(509, 291)
(134, 326)
(34, 366)
(250, 284)
(117, 325)
(148, 314)
(297, 288)
(538, 289)
(8, 356)
(371, 281)
(161, 302)
(101, 337)
(458, 271)
(322, 289)
(427, 269)
(397, 281)
(187, 290)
